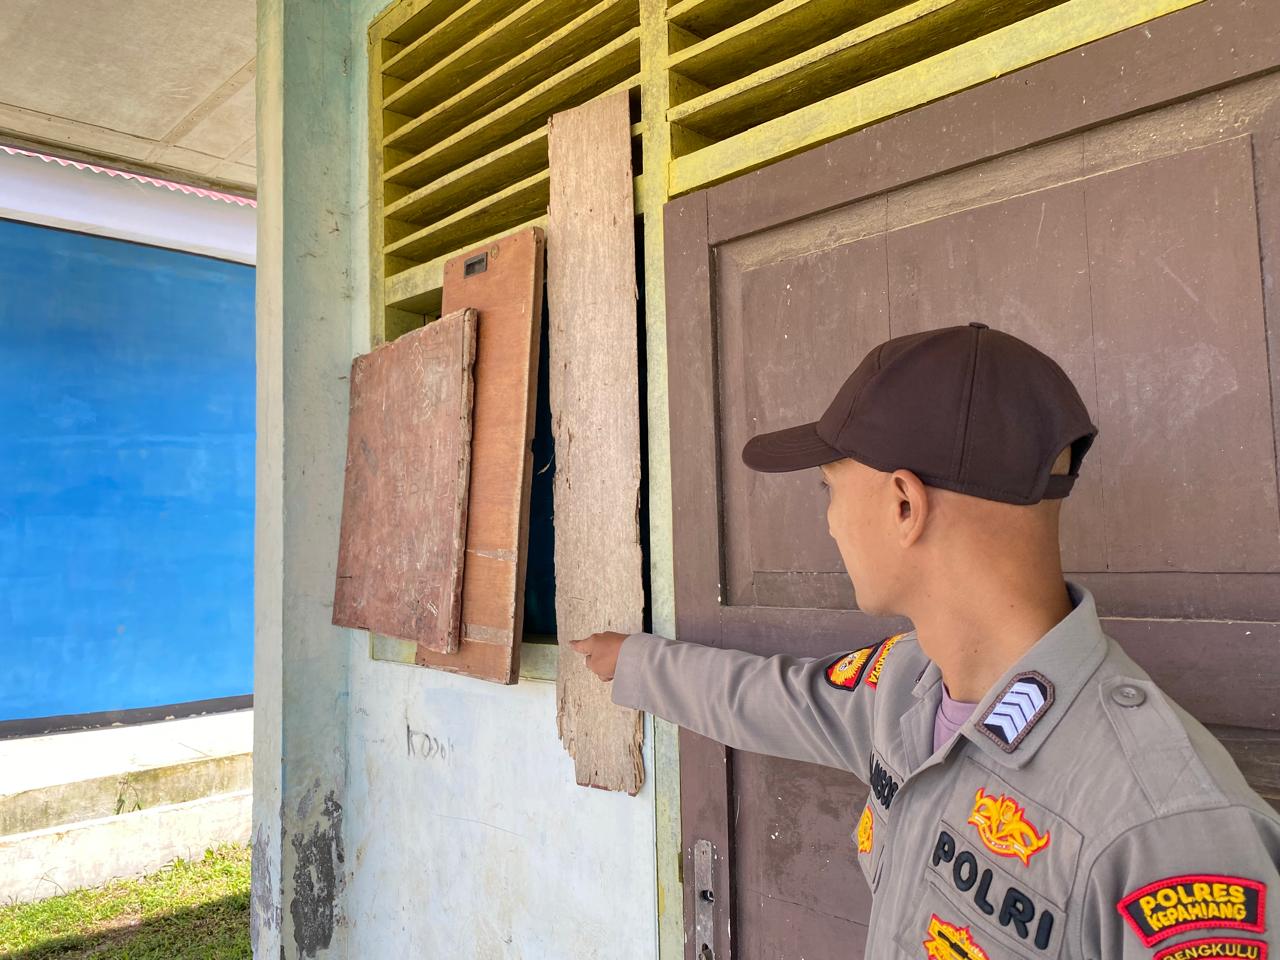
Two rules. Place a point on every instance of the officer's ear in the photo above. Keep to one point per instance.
(911, 504)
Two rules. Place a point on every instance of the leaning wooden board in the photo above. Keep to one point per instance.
(595, 410)
(503, 281)
(404, 507)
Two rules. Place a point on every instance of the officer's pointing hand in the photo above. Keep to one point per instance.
(601, 652)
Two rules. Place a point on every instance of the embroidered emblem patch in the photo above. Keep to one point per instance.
(949, 942)
(1024, 701)
(1004, 828)
(1215, 947)
(846, 671)
(866, 830)
(1177, 904)
(873, 675)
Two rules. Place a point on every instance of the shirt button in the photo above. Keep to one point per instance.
(1128, 696)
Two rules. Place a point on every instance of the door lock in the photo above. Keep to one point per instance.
(704, 900)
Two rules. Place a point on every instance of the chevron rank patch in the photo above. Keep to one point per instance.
(847, 671)
(1024, 701)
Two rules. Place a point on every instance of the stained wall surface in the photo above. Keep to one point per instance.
(398, 811)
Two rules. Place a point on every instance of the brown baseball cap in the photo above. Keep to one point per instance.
(965, 408)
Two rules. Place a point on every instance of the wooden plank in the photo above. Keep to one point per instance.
(420, 288)
(508, 57)
(595, 397)
(702, 18)
(405, 20)
(492, 213)
(417, 288)
(611, 67)
(1069, 25)
(445, 34)
(404, 508)
(508, 163)
(783, 29)
(503, 282)
(888, 43)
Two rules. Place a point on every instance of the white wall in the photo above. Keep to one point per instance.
(461, 833)
(469, 836)
(39, 191)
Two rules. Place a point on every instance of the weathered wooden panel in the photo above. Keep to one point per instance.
(595, 408)
(1186, 412)
(503, 282)
(404, 508)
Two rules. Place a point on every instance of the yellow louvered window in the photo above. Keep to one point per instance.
(462, 90)
(461, 95)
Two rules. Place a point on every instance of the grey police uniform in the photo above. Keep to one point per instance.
(1079, 813)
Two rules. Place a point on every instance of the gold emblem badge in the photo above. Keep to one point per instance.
(949, 942)
(866, 829)
(1004, 828)
(846, 671)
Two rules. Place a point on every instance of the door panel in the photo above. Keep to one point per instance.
(1128, 239)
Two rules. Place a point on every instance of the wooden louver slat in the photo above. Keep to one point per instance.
(454, 97)
(449, 33)
(619, 61)
(779, 32)
(904, 36)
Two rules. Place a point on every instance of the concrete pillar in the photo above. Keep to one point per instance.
(304, 354)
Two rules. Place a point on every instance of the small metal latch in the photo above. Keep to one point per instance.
(477, 264)
(704, 900)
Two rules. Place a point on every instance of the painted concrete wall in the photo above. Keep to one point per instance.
(304, 354)
(398, 811)
(127, 384)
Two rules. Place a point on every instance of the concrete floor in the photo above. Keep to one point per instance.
(29, 763)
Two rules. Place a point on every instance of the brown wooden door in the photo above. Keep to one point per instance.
(1118, 206)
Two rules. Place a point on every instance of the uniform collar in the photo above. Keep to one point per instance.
(1066, 657)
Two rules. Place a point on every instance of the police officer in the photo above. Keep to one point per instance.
(1033, 793)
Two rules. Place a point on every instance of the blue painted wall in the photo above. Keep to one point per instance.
(126, 475)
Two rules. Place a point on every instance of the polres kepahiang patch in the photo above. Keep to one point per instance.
(1194, 901)
(1215, 947)
(846, 671)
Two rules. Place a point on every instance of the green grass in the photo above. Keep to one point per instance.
(190, 910)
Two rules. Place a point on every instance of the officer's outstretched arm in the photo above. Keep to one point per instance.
(1202, 883)
(780, 705)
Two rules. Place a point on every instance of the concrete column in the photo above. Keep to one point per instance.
(304, 354)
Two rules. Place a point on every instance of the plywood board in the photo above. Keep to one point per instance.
(595, 409)
(502, 281)
(404, 507)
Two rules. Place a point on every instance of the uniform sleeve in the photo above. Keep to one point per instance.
(1197, 884)
(779, 705)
